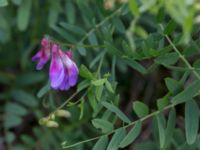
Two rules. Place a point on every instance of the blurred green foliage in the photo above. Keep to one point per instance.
(125, 50)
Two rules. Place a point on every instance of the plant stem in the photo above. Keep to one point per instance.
(130, 124)
(69, 99)
(100, 24)
(181, 56)
(129, 33)
(91, 31)
(100, 65)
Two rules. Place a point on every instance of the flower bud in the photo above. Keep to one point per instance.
(63, 113)
(197, 6)
(109, 4)
(52, 117)
(52, 124)
(43, 121)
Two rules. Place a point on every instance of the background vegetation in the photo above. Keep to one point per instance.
(139, 76)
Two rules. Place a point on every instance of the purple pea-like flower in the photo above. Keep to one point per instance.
(63, 72)
(43, 55)
(71, 70)
(56, 71)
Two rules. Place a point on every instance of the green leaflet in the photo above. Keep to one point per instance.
(99, 82)
(104, 125)
(24, 98)
(117, 111)
(173, 85)
(171, 123)
(23, 14)
(43, 90)
(171, 26)
(132, 135)
(140, 109)
(116, 139)
(135, 65)
(162, 102)
(101, 143)
(191, 121)
(167, 59)
(109, 86)
(15, 109)
(12, 120)
(84, 72)
(3, 3)
(98, 92)
(161, 131)
(133, 7)
(187, 94)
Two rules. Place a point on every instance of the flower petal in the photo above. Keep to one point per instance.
(69, 54)
(71, 67)
(37, 56)
(73, 74)
(65, 83)
(56, 72)
(45, 41)
(43, 55)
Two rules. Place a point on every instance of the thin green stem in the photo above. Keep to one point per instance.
(181, 56)
(101, 23)
(81, 142)
(63, 104)
(81, 97)
(130, 124)
(81, 45)
(118, 11)
(100, 65)
(129, 33)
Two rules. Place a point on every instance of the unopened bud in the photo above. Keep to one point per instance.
(109, 4)
(52, 117)
(63, 113)
(52, 124)
(64, 143)
(43, 121)
(197, 6)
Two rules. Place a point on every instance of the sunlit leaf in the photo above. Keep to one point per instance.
(134, 7)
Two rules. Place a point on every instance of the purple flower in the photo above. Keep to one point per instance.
(43, 55)
(63, 71)
(71, 70)
(56, 71)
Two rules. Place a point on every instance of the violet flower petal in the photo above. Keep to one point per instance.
(43, 55)
(37, 56)
(65, 83)
(56, 71)
(69, 54)
(73, 74)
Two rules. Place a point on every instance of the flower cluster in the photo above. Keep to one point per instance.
(63, 72)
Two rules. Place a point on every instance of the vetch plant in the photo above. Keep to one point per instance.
(130, 77)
